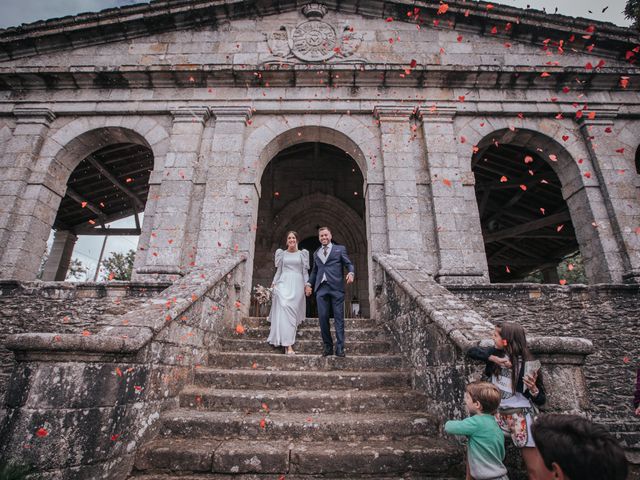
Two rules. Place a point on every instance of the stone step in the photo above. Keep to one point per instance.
(193, 424)
(279, 361)
(254, 322)
(310, 380)
(315, 346)
(317, 401)
(271, 476)
(372, 459)
(313, 333)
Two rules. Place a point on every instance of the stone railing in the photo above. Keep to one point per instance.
(433, 329)
(79, 405)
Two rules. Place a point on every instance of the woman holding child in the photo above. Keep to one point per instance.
(510, 366)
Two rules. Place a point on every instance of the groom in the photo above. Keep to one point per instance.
(326, 278)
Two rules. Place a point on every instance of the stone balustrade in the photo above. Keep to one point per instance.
(434, 328)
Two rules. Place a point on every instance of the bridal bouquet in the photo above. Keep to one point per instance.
(262, 294)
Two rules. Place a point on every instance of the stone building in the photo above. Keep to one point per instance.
(477, 142)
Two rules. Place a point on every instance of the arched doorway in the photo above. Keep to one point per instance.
(526, 223)
(110, 182)
(305, 186)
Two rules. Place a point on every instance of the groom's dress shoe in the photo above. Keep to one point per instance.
(327, 352)
(340, 353)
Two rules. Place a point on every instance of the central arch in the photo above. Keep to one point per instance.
(307, 185)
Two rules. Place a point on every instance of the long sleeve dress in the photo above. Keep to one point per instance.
(288, 306)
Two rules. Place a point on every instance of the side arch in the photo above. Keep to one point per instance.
(580, 187)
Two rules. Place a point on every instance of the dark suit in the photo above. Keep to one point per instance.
(330, 292)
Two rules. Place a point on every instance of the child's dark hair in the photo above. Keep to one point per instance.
(515, 347)
(485, 393)
(583, 450)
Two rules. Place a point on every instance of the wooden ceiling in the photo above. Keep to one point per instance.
(108, 185)
(525, 221)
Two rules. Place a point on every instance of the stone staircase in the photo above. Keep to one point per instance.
(254, 413)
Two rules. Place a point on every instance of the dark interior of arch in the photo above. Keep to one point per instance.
(525, 221)
(108, 185)
(297, 174)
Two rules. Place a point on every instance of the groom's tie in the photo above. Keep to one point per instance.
(324, 250)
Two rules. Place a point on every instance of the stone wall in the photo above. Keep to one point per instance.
(29, 307)
(608, 315)
(65, 385)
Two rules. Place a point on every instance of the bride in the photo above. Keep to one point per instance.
(288, 305)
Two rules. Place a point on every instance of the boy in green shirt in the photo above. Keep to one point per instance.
(485, 450)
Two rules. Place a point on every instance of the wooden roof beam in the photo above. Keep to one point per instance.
(119, 185)
(85, 203)
(527, 227)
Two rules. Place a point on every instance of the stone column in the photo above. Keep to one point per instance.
(229, 206)
(620, 258)
(167, 253)
(400, 164)
(59, 259)
(27, 210)
(458, 232)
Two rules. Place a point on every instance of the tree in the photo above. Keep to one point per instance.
(632, 12)
(570, 269)
(119, 266)
(77, 270)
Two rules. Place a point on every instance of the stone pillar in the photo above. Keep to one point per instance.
(27, 210)
(458, 232)
(59, 259)
(621, 244)
(400, 164)
(229, 207)
(167, 253)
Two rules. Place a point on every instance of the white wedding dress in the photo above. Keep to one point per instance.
(288, 305)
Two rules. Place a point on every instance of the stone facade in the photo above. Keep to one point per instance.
(382, 97)
(239, 102)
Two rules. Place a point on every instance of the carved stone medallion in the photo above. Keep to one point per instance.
(314, 41)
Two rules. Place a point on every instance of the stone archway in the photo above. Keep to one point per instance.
(60, 162)
(554, 216)
(297, 196)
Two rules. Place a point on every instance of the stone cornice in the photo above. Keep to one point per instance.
(603, 116)
(230, 113)
(336, 75)
(190, 114)
(394, 113)
(42, 116)
(116, 24)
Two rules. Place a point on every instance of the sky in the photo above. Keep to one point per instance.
(15, 12)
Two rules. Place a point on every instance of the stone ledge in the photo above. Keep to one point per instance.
(458, 321)
(10, 287)
(75, 343)
(142, 324)
(547, 287)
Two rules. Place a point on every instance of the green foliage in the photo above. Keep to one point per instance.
(570, 269)
(119, 266)
(12, 471)
(632, 12)
(77, 270)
